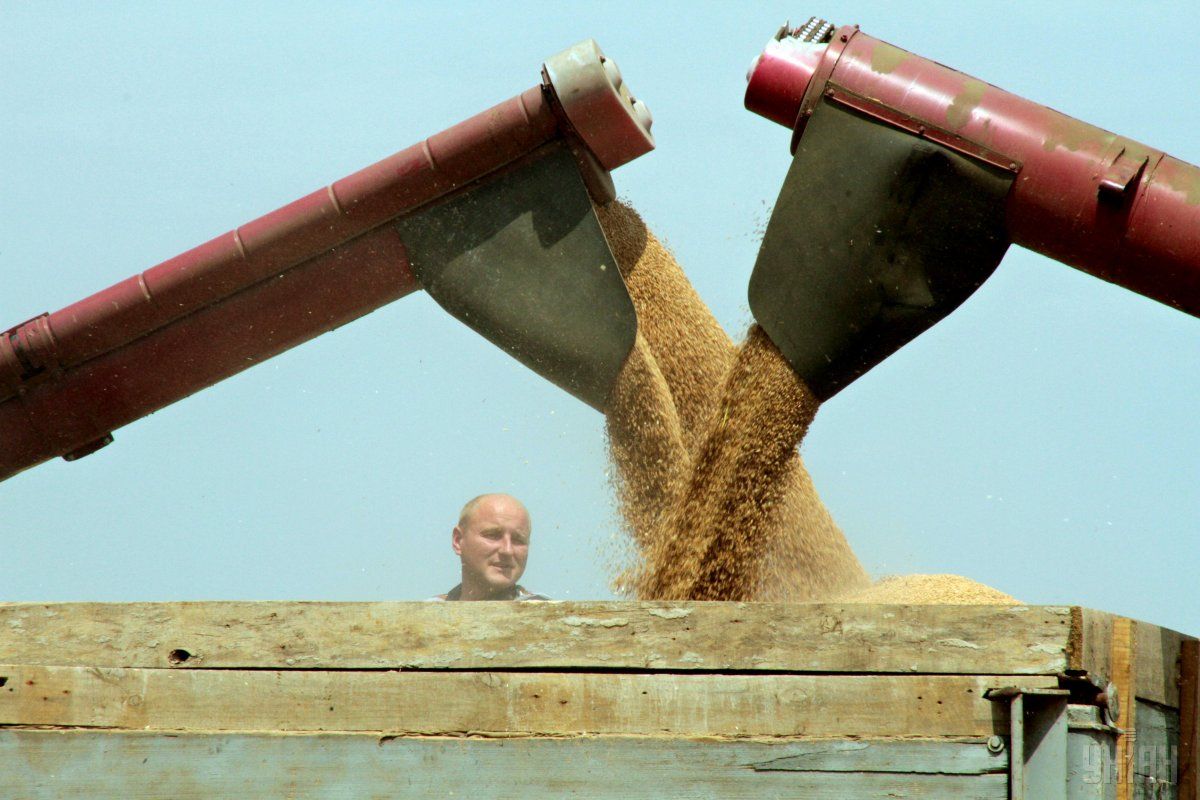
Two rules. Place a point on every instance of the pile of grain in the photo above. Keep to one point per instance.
(929, 590)
(704, 441)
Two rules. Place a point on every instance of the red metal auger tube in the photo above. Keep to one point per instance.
(1107, 205)
(69, 378)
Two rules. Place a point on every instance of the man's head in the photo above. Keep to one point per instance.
(492, 539)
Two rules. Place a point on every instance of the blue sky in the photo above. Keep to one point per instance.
(1043, 439)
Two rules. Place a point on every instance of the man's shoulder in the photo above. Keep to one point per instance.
(453, 594)
(456, 594)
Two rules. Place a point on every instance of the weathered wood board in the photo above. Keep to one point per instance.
(591, 699)
(1155, 753)
(547, 703)
(1154, 653)
(46, 765)
(1124, 673)
(704, 637)
(1157, 663)
(1189, 720)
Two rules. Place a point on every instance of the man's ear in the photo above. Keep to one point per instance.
(456, 540)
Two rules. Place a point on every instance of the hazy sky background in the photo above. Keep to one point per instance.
(1044, 439)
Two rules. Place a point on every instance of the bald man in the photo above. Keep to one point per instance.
(492, 541)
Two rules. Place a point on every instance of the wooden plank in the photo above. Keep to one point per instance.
(1156, 752)
(1091, 642)
(1121, 658)
(503, 703)
(1157, 664)
(703, 637)
(1189, 720)
(932, 756)
(41, 765)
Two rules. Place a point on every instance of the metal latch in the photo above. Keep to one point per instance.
(1120, 177)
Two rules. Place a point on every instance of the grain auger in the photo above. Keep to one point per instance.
(493, 217)
(908, 182)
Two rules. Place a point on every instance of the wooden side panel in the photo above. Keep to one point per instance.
(1155, 660)
(1091, 644)
(1189, 720)
(1122, 655)
(1157, 665)
(41, 765)
(703, 637)
(1155, 757)
(506, 703)
(942, 756)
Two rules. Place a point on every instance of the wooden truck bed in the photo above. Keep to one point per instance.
(611, 699)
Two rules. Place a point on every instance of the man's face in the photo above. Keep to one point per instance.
(493, 543)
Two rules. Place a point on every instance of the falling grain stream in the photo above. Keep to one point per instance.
(704, 438)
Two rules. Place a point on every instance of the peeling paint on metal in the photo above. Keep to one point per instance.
(1192, 193)
(1071, 134)
(1184, 181)
(885, 58)
(965, 102)
(959, 643)
(669, 613)
(588, 622)
(987, 130)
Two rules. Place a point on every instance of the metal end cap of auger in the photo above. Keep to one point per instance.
(779, 76)
(612, 123)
